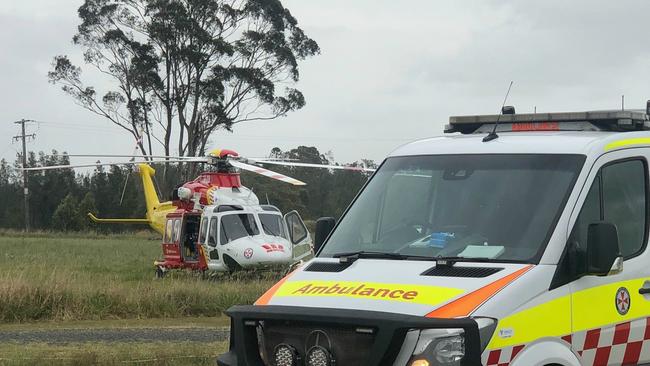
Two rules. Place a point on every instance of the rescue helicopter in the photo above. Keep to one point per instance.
(214, 223)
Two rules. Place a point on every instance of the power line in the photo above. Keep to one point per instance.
(77, 127)
(23, 137)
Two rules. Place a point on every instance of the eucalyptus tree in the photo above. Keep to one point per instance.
(180, 70)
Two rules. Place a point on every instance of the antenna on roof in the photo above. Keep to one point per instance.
(493, 135)
(623, 102)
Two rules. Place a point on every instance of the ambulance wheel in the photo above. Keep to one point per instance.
(160, 272)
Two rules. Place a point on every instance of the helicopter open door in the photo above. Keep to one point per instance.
(210, 241)
(189, 236)
(299, 236)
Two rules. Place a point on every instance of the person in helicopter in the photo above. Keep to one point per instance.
(190, 240)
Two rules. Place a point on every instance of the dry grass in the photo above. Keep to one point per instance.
(161, 353)
(76, 278)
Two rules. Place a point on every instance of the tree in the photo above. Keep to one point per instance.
(186, 68)
(327, 193)
(66, 216)
(11, 210)
(87, 205)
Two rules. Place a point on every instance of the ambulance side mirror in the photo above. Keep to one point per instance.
(324, 227)
(603, 251)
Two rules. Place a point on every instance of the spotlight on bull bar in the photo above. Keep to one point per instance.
(319, 356)
(285, 355)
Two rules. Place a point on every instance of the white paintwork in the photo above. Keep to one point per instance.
(545, 352)
(562, 142)
(227, 196)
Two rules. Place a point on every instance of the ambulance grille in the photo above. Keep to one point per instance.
(473, 272)
(327, 267)
(347, 344)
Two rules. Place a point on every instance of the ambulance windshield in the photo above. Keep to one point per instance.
(499, 206)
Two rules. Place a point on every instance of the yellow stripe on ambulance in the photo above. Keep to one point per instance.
(418, 294)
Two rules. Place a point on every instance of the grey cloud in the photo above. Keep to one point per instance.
(389, 71)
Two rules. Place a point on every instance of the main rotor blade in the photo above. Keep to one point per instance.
(124, 156)
(307, 165)
(266, 173)
(55, 167)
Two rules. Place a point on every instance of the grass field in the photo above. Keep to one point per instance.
(85, 281)
(86, 278)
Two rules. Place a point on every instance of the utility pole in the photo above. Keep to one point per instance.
(23, 136)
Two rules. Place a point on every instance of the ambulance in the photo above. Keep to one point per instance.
(515, 239)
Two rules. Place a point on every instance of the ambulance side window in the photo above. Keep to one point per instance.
(618, 196)
(625, 203)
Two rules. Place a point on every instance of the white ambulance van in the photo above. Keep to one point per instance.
(517, 239)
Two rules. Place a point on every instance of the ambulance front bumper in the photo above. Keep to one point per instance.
(261, 334)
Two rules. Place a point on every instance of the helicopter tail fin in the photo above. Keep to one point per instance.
(156, 211)
(150, 194)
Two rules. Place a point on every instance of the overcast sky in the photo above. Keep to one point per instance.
(389, 72)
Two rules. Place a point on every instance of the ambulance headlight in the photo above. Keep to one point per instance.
(439, 347)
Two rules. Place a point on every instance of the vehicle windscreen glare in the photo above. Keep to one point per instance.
(499, 207)
(273, 225)
(237, 226)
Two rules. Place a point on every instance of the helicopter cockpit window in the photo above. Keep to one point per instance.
(212, 237)
(204, 230)
(273, 225)
(237, 226)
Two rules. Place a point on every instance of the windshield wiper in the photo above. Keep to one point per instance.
(349, 257)
(463, 259)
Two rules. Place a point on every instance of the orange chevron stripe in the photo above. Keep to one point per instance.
(465, 305)
(268, 295)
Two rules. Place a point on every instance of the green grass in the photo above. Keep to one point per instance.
(161, 353)
(92, 278)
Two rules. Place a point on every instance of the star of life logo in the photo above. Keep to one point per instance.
(622, 301)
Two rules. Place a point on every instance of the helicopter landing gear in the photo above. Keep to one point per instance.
(160, 272)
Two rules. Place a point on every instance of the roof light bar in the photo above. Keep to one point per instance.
(631, 120)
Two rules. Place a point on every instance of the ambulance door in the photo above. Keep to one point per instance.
(214, 254)
(299, 236)
(610, 313)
